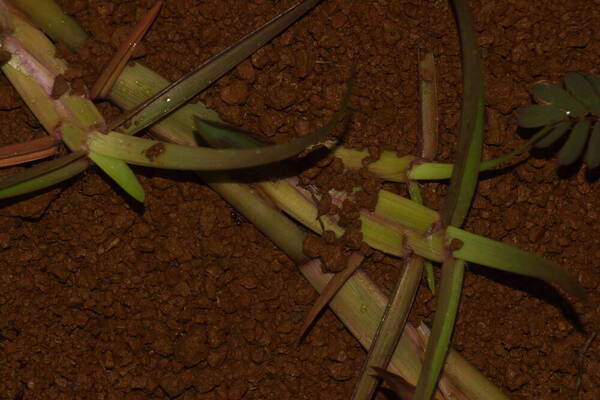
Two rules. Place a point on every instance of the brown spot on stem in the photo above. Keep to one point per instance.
(154, 151)
(456, 244)
(60, 87)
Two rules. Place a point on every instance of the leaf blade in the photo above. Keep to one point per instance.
(121, 174)
(153, 153)
(583, 91)
(460, 194)
(333, 286)
(549, 93)
(555, 133)
(182, 90)
(390, 327)
(575, 144)
(540, 115)
(111, 72)
(592, 155)
(498, 255)
(49, 178)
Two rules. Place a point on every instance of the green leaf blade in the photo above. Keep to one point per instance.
(443, 326)
(595, 81)
(575, 144)
(153, 153)
(121, 174)
(460, 194)
(498, 255)
(38, 170)
(538, 115)
(184, 89)
(29, 181)
(390, 328)
(219, 135)
(555, 133)
(592, 155)
(550, 94)
(583, 91)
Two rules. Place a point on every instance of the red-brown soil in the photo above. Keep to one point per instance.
(103, 298)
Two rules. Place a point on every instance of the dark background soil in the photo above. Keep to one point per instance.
(102, 298)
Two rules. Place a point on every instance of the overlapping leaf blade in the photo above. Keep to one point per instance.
(182, 90)
(592, 155)
(458, 202)
(575, 143)
(48, 174)
(556, 132)
(595, 81)
(582, 89)
(551, 94)
(541, 115)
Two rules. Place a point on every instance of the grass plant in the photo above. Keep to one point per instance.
(398, 226)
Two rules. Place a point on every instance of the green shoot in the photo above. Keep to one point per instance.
(43, 175)
(120, 173)
(458, 202)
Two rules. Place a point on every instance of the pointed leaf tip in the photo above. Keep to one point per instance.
(334, 284)
(121, 173)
